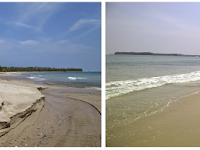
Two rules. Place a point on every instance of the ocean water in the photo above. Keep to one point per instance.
(71, 79)
(140, 86)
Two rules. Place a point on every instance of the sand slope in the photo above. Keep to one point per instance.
(93, 99)
(15, 98)
(17, 101)
(176, 126)
(55, 121)
(62, 122)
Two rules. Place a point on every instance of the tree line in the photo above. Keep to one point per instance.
(31, 69)
(154, 54)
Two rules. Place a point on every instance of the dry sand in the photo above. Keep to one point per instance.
(55, 121)
(176, 126)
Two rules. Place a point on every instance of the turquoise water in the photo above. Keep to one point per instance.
(71, 79)
(139, 86)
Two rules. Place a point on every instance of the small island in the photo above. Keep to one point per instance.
(32, 69)
(154, 54)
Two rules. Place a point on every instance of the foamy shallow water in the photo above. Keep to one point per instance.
(117, 88)
(71, 79)
(140, 86)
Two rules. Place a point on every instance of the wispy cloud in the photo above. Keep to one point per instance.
(87, 32)
(83, 22)
(96, 23)
(62, 42)
(29, 42)
(36, 10)
(22, 25)
(39, 12)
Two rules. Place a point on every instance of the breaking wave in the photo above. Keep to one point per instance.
(117, 88)
(36, 78)
(76, 78)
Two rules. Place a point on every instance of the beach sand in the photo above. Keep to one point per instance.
(93, 99)
(176, 126)
(51, 121)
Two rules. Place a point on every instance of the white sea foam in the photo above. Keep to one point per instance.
(76, 78)
(36, 78)
(81, 78)
(95, 88)
(72, 78)
(116, 88)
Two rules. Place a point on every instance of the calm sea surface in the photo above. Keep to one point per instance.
(139, 86)
(71, 79)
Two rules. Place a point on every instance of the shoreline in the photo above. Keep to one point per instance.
(17, 74)
(178, 125)
(59, 111)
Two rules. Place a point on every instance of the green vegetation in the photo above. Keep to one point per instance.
(31, 69)
(154, 54)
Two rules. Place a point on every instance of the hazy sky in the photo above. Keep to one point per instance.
(51, 35)
(153, 27)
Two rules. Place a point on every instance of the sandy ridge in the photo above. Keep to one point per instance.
(17, 102)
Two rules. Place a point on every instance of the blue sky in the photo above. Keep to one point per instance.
(51, 35)
(161, 27)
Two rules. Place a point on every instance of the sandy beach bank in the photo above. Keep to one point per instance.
(57, 121)
(176, 126)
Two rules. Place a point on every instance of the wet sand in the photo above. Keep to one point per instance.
(93, 99)
(58, 121)
(176, 126)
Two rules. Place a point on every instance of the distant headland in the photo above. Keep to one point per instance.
(37, 69)
(154, 54)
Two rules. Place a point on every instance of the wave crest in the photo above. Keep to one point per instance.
(75, 78)
(117, 88)
(36, 78)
